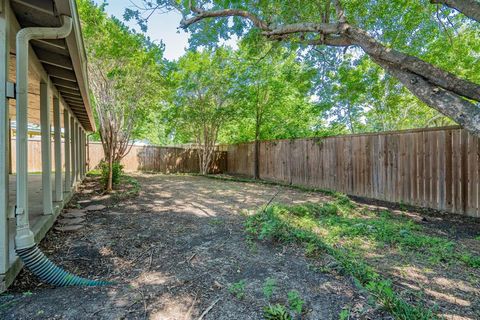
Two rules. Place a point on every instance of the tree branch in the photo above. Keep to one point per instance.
(201, 14)
(470, 8)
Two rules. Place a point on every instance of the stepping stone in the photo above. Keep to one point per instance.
(74, 214)
(73, 227)
(87, 191)
(97, 207)
(71, 221)
(75, 210)
(84, 201)
(116, 213)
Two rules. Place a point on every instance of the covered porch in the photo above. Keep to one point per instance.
(52, 96)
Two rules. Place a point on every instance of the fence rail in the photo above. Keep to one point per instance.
(436, 168)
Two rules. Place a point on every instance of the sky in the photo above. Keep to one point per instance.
(161, 27)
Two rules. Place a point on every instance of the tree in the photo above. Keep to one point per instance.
(124, 70)
(202, 101)
(272, 91)
(327, 23)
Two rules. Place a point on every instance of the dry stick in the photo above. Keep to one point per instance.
(189, 312)
(208, 309)
(271, 199)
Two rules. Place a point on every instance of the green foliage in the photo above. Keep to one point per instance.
(269, 288)
(276, 312)
(295, 301)
(295, 224)
(117, 171)
(134, 62)
(349, 88)
(238, 289)
(344, 314)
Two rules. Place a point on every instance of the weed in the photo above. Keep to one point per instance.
(215, 222)
(238, 289)
(269, 287)
(276, 312)
(295, 301)
(344, 314)
(296, 224)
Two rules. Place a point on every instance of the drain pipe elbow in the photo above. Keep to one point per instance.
(24, 236)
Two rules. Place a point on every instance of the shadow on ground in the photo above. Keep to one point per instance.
(175, 250)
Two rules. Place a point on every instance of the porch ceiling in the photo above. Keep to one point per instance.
(63, 60)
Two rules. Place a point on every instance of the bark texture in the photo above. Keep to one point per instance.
(470, 8)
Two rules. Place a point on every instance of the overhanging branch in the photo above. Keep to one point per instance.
(470, 8)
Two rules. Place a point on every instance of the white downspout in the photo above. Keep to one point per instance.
(24, 237)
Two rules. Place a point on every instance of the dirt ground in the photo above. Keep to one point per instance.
(174, 251)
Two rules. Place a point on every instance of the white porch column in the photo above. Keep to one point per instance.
(58, 150)
(84, 154)
(66, 134)
(4, 136)
(74, 149)
(45, 130)
(79, 152)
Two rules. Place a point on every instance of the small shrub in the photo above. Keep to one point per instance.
(269, 287)
(238, 289)
(117, 170)
(276, 312)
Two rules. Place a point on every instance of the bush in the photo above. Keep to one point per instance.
(117, 170)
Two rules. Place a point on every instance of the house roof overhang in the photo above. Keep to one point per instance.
(64, 60)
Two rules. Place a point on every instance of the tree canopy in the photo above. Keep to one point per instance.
(429, 48)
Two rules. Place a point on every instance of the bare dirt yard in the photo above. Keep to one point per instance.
(179, 250)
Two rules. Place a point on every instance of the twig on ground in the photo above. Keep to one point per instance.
(208, 309)
(271, 199)
(193, 256)
(189, 312)
(144, 304)
(151, 260)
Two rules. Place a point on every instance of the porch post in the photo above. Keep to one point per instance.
(84, 162)
(66, 134)
(79, 152)
(57, 139)
(4, 136)
(73, 147)
(45, 130)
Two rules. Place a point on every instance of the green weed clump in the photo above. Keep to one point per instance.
(238, 289)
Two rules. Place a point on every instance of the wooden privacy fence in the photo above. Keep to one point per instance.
(140, 158)
(436, 168)
(160, 159)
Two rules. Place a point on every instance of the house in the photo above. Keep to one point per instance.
(43, 81)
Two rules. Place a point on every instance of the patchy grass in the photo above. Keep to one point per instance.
(351, 236)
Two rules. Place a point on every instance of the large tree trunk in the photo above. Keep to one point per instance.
(470, 8)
